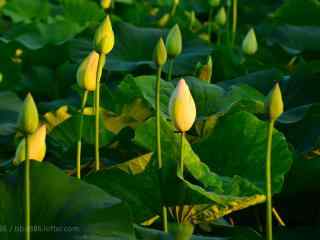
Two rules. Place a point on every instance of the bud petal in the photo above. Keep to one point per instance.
(214, 3)
(182, 108)
(87, 72)
(104, 37)
(274, 103)
(221, 17)
(205, 72)
(28, 120)
(163, 21)
(37, 147)
(160, 53)
(181, 231)
(105, 4)
(250, 44)
(174, 42)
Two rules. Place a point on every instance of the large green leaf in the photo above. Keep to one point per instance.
(62, 207)
(237, 146)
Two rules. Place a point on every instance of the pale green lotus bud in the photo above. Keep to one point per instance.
(104, 37)
(87, 72)
(106, 4)
(160, 53)
(205, 72)
(176, 2)
(182, 107)
(274, 103)
(214, 3)
(36, 147)
(174, 42)
(250, 44)
(221, 17)
(28, 120)
(163, 21)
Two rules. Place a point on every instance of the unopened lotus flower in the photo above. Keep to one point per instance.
(274, 103)
(250, 44)
(87, 72)
(205, 72)
(182, 107)
(28, 120)
(160, 53)
(106, 3)
(221, 17)
(214, 3)
(37, 147)
(104, 37)
(174, 42)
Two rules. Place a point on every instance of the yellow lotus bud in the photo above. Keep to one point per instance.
(214, 3)
(174, 42)
(221, 17)
(182, 108)
(37, 147)
(163, 21)
(205, 72)
(274, 103)
(28, 120)
(105, 4)
(87, 72)
(104, 37)
(250, 44)
(160, 53)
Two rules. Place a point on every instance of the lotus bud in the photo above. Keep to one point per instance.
(28, 120)
(221, 17)
(205, 72)
(181, 231)
(87, 72)
(104, 37)
(36, 144)
(214, 3)
(160, 53)
(176, 2)
(274, 103)
(182, 108)
(250, 44)
(174, 42)
(163, 21)
(105, 4)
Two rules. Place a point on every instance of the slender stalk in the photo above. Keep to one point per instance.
(235, 19)
(268, 183)
(173, 10)
(228, 25)
(181, 163)
(158, 136)
(171, 63)
(79, 143)
(278, 217)
(209, 23)
(27, 190)
(102, 60)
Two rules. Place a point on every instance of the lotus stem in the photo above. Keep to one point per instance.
(79, 144)
(209, 24)
(173, 10)
(181, 162)
(171, 64)
(235, 19)
(27, 190)
(268, 183)
(158, 136)
(102, 60)
(278, 217)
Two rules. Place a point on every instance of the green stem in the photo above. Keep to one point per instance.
(228, 25)
(268, 183)
(173, 10)
(171, 63)
(102, 61)
(181, 163)
(235, 19)
(79, 143)
(209, 24)
(27, 190)
(158, 136)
